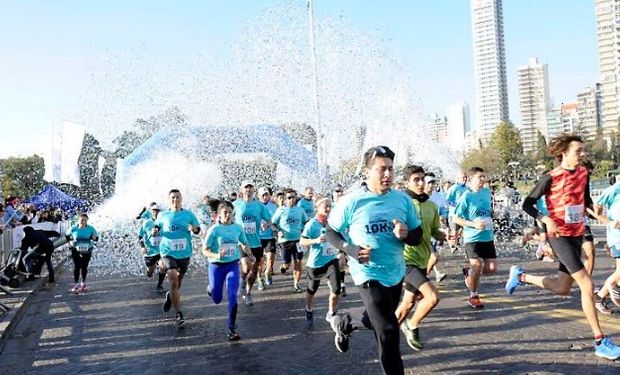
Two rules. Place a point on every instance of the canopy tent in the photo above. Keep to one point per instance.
(51, 196)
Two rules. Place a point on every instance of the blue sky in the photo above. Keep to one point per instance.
(48, 49)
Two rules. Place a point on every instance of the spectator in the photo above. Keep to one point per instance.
(12, 215)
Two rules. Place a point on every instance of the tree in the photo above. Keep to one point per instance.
(541, 155)
(89, 169)
(597, 148)
(486, 158)
(22, 176)
(507, 142)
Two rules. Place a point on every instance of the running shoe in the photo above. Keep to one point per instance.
(602, 305)
(607, 349)
(309, 319)
(440, 276)
(233, 335)
(475, 302)
(261, 285)
(268, 280)
(297, 289)
(343, 291)
(466, 275)
(160, 289)
(513, 279)
(341, 340)
(82, 287)
(76, 288)
(329, 316)
(614, 295)
(282, 269)
(168, 302)
(248, 299)
(180, 322)
(412, 336)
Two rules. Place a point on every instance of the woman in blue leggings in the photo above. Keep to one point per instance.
(223, 245)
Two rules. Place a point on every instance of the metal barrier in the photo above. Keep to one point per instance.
(12, 237)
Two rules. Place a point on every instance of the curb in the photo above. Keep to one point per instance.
(14, 316)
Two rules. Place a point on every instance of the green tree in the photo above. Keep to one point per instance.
(507, 143)
(22, 176)
(486, 158)
(540, 156)
(597, 148)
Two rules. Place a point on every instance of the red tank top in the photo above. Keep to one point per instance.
(565, 200)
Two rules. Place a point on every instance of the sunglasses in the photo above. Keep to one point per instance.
(290, 197)
(337, 191)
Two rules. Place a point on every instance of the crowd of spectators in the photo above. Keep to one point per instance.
(14, 213)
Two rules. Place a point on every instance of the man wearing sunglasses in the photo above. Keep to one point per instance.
(377, 222)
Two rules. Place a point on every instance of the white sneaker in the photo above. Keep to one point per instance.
(440, 276)
(248, 299)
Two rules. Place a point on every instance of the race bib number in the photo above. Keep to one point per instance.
(573, 214)
(488, 223)
(227, 249)
(155, 241)
(328, 250)
(83, 247)
(178, 245)
(249, 228)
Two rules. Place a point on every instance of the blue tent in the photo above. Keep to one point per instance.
(53, 197)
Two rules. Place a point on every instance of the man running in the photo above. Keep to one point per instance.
(306, 202)
(149, 245)
(175, 226)
(567, 193)
(453, 195)
(430, 182)
(252, 215)
(267, 238)
(337, 194)
(418, 259)
(474, 213)
(378, 221)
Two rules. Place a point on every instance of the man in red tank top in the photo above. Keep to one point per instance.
(567, 195)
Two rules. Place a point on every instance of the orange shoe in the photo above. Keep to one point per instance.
(475, 302)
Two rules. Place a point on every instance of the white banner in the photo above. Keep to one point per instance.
(71, 146)
(52, 153)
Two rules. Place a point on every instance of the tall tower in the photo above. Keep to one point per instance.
(490, 65)
(608, 34)
(533, 102)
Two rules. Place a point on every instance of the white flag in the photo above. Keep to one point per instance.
(72, 138)
(51, 155)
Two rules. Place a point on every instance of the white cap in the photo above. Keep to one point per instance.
(245, 183)
(154, 206)
(428, 179)
(263, 191)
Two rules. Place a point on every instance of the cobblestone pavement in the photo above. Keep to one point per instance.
(118, 327)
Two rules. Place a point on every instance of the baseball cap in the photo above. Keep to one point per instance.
(245, 183)
(428, 179)
(154, 206)
(263, 191)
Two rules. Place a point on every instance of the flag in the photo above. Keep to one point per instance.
(63, 152)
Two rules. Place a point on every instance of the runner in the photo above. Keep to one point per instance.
(221, 246)
(587, 247)
(145, 213)
(267, 239)
(307, 203)
(81, 238)
(324, 261)
(453, 196)
(337, 194)
(567, 193)
(203, 213)
(474, 213)
(252, 215)
(289, 220)
(149, 245)
(419, 258)
(378, 221)
(175, 226)
(430, 183)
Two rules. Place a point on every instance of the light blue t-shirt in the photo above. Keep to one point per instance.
(227, 238)
(476, 205)
(319, 254)
(11, 214)
(268, 233)
(249, 216)
(610, 199)
(290, 221)
(307, 205)
(368, 219)
(83, 237)
(176, 238)
(146, 215)
(453, 196)
(541, 206)
(151, 243)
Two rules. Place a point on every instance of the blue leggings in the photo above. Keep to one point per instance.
(229, 272)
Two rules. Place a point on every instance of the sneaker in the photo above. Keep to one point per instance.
(297, 289)
(233, 335)
(260, 286)
(341, 340)
(76, 288)
(412, 336)
(268, 280)
(309, 319)
(329, 316)
(614, 295)
(466, 275)
(82, 287)
(513, 279)
(180, 322)
(475, 302)
(168, 302)
(160, 289)
(248, 299)
(607, 349)
(439, 277)
(282, 269)
(602, 305)
(343, 292)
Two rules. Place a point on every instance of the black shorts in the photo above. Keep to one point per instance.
(151, 261)
(415, 277)
(269, 245)
(328, 271)
(289, 251)
(257, 253)
(568, 252)
(171, 263)
(588, 236)
(484, 250)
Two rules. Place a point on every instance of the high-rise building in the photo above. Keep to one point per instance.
(570, 117)
(608, 34)
(438, 126)
(490, 65)
(534, 102)
(555, 126)
(458, 126)
(588, 110)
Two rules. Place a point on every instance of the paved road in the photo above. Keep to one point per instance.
(118, 327)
